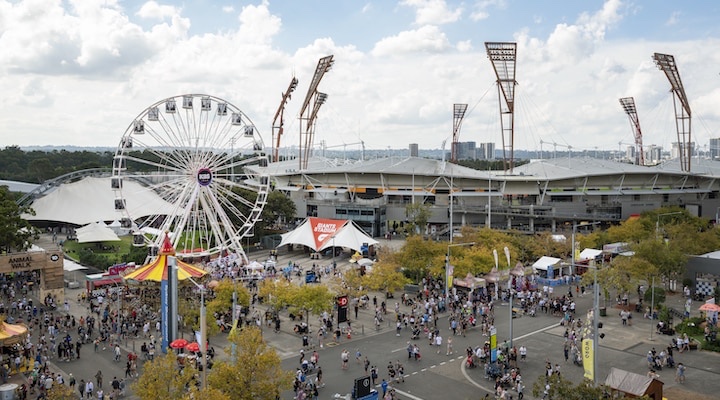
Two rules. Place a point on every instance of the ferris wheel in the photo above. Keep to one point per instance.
(191, 167)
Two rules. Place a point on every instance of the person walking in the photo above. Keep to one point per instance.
(344, 357)
(99, 379)
(438, 342)
(89, 389)
(680, 373)
(384, 386)
(449, 346)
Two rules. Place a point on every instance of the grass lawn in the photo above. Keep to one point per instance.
(72, 247)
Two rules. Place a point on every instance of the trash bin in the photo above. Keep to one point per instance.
(7, 391)
(603, 312)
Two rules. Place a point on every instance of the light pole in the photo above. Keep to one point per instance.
(596, 324)
(203, 331)
(447, 265)
(510, 296)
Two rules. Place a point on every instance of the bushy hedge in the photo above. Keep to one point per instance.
(659, 295)
(691, 326)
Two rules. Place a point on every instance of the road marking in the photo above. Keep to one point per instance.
(400, 349)
(432, 366)
(443, 363)
(464, 372)
(423, 370)
(406, 394)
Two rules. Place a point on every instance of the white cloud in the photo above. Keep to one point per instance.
(153, 10)
(674, 18)
(258, 25)
(433, 12)
(228, 9)
(464, 46)
(426, 39)
(479, 15)
(367, 7)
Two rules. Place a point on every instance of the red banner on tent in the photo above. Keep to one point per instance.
(324, 229)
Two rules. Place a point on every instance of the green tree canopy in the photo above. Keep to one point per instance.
(16, 233)
(253, 371)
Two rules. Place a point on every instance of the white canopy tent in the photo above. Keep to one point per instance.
(96, 232)
(320, 234)
(589, 254)
(544, 262)
(93, 199)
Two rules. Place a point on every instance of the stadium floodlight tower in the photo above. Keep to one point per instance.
(277, 126)
(502, 55)
(628, 104)
(308, 115)
(458, 115)
(666, 63)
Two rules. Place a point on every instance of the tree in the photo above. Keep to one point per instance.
(16, 233)
(279, 208)
(384, 277)
(276, 292)
(563, 389)
(224, 294)
(418, 215)
(311, 299)
(61, 392)
(417, 256)
(253, 371)
(162, 379)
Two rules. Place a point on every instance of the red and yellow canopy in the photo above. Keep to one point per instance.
(11, 334)
(157, 270)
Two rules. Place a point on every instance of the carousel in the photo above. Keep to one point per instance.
(143, 281)
(12, 337)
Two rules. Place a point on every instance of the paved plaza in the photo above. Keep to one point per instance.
(439, 375)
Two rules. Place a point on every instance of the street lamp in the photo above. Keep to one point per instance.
(510, 296)
(447, 265)
(203, 331)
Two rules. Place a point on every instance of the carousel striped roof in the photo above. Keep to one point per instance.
(157, 270)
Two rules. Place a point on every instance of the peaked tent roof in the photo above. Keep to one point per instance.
(318, 234)
(589, 254)
(157, 270)
(96, 232)
(628, 382)
(93, 199)
(544, 262)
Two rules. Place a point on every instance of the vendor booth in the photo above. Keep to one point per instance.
(550, 271)
(470, 283)
(633, 385)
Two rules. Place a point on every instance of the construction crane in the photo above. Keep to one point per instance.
(458, 115)
(502, 55)
(309, 115)
(277, 126)
(666, 63)
(628, 104)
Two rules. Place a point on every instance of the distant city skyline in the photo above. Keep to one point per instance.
(78, 72)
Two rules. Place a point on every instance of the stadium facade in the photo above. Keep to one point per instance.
(543, 195)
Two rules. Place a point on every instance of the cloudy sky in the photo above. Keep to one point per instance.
(77, 72)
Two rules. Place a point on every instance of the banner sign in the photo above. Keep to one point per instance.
(164, 323)
(587, 357)
(493, 344)
(324, 229)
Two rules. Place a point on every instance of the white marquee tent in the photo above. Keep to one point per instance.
(96, 232)
(92, 199)
(320, 234)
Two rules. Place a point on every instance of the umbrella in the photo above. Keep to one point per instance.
(710, 307)
(519, 270)
(364, 262)
(193, 347)
(178, 343)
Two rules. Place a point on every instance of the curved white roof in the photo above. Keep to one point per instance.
(92, 199)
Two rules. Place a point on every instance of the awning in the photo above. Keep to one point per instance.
(327, 190)
(407, 193)
(518, 188)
